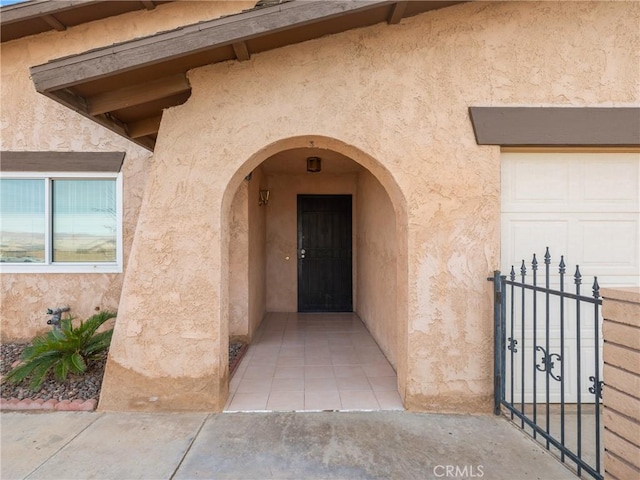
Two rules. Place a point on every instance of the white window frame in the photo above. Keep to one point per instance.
(68, 267)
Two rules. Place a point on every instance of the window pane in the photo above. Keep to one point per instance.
(22, 220)
(84, 221)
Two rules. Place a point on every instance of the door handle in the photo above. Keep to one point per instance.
(303, 252)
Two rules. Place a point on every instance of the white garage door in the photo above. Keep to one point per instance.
(585, 206)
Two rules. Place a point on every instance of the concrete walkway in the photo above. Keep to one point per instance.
(247, 446)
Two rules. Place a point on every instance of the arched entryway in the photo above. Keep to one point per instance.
(265, 253)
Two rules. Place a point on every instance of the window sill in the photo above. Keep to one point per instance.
(60, 268)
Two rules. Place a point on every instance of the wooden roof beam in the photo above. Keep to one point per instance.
(138, 94)
(108, 61)
(397, 12)
(27, 10)
(241, 51)
(79, 104)
(142, 128)
(53, 22)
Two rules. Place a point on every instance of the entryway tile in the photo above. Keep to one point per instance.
(322, 400)
(353, 383)
(389, 400)
(345, 359)
(286, 401)
(311, 362)
(248, 402)
(259, 371)
(289, 361)
(255, 385)
(291, 352)
(287, 384)
(348, 371)
(318, 372)
(289, 372)
(378, 370)
(384, 384)
(359, 400)
(320, 384)
(317, 360)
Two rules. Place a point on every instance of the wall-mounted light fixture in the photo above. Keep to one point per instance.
(314, 164)
(263, 197)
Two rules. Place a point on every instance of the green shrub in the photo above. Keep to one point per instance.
(64, 350)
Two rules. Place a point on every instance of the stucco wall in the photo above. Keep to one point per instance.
(30, 121)
(247, 259)
(282, 230)
(257, 286)
(239, 264)
(395, 99)
(377, 251)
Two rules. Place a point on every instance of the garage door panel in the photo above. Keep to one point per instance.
(586, 207)
(606, 247)
(523, 236)
(610, 184)
(580, 182)
(603, 245)
(533, 182)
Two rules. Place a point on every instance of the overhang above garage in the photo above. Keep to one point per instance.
(125, 87)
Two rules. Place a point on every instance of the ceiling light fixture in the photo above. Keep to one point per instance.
(314, 164)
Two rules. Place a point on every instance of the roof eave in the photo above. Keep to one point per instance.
(67, 80)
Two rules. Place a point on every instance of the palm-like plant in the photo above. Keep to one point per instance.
(63, 350)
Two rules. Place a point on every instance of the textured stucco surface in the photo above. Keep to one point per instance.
(247, 258)
(377, 265)
(394, 99)
(257, 263)
(30, 121)
(239, 264)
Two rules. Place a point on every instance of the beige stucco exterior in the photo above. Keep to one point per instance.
(30, 121)
(207, 261)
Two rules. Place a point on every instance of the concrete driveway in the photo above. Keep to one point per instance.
(323, 445)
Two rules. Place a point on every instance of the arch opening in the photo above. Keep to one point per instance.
(261, 250)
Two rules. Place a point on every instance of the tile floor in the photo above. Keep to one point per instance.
(311, 362)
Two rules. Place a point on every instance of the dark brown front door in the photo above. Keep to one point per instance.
(324, 253)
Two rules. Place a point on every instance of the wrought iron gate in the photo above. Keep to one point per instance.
(547, 370)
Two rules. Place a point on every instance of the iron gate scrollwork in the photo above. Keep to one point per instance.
(526, 312)
(546, 363)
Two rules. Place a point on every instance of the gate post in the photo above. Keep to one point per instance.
(498, 340)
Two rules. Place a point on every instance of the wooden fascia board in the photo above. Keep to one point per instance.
(26, 11)
(13, 161)
(100, 63)
(556, 126)
(137, 94)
